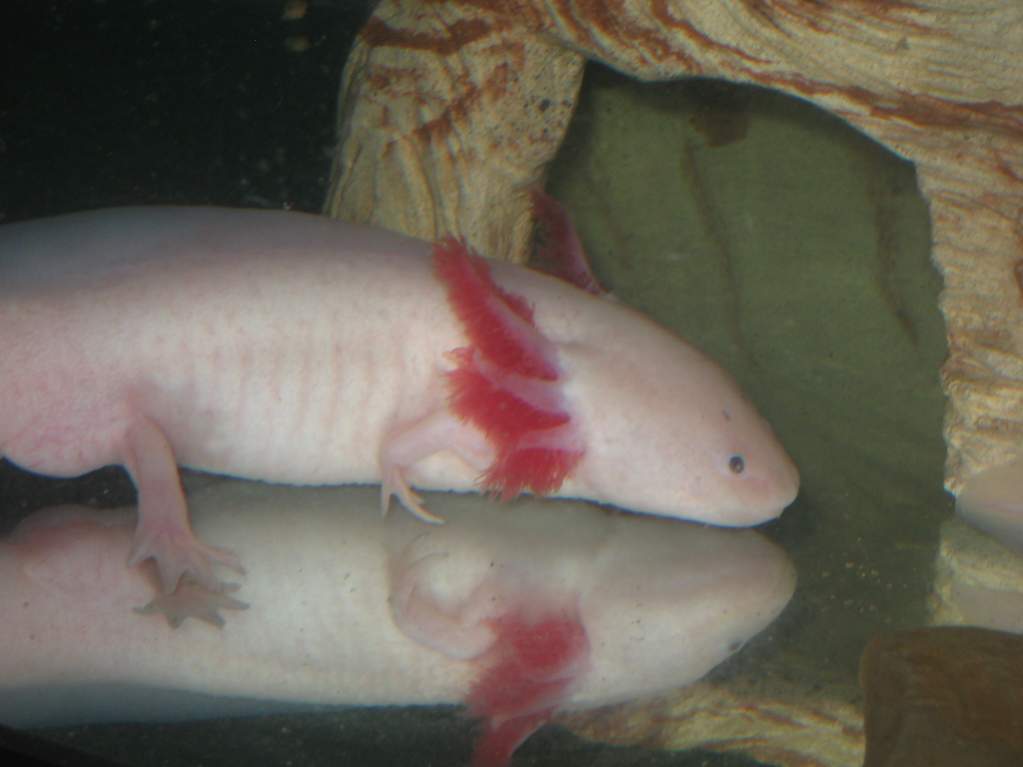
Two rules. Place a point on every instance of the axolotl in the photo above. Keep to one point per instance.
(517, 612)
(293, 348)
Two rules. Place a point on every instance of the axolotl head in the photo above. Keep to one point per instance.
(669, 432)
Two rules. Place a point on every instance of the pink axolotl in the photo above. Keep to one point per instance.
(517, 612)
(294, 348)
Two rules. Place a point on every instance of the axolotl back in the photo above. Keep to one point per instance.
(293, 348)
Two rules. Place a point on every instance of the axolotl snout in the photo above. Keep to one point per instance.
(293, 348)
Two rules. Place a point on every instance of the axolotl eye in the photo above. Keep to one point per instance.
(737, 464)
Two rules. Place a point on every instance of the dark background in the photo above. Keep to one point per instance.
(168, 101)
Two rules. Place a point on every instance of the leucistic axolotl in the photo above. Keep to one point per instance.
(992, 501)
(293, 348)
(516, 612)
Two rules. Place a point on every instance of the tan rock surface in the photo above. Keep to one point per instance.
(977, 581)
(448, 114)
(780, 728)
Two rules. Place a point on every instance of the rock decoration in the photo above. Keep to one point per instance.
(944, 696)
(977, 581)
(781, 727)
(448, 115)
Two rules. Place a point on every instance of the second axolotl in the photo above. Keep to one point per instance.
(294, 348)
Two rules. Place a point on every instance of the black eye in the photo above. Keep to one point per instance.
(736, 464)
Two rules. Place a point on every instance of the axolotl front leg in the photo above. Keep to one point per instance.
(506, 416)
(527, 641)
(411, 443)
(163, 532)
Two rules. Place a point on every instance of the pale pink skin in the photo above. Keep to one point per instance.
(350, 607)
(297, 349)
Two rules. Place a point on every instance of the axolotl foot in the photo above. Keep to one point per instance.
(178, 553)
(163, 531)
(192, 600)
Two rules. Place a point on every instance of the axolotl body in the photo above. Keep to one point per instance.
(293, 348)
(517, 612)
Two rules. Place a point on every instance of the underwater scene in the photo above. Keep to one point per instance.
(730, 622)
